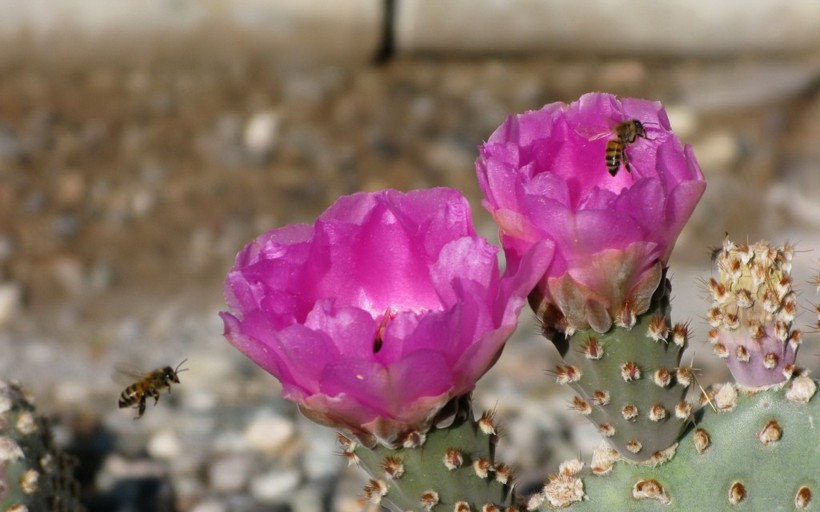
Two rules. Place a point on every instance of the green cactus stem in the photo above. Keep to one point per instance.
(753, 451)
(35, 476)
(450, 468)
(628, 380)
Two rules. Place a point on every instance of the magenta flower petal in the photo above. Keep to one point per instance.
(381, 312)
(545, 176)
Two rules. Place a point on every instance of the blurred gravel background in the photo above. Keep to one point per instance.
(127, 187)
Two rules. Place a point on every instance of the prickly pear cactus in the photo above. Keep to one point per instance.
(450, 468)
(35, 476)
(629, 382)
(749, 451)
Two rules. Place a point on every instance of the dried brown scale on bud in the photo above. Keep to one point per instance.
(453, 459)
(393, 468)
(630, 371)
(571, 467)
(803, 498)
(28, 482)
(348, 450)
(680, 334)
(567, 374)
(429, 499)
(684, 376)
(788, 371)
(658, 329)
(737, 493)
(649, 489)
(487, 423)
(629, 412)
(562, 489)
(753, 306)
(503, 473)
(581, 405)
(662, 456)
(801, 390)
(490, 508)
(593, 349)
(683, 410)
(601, 398)
(606, 430)
(413, 439)
(770, 361)
(462, 506)
(374, 491)
(702, 440)
(634, 446)
(725, 399)
(662, 377)
(482, 467)
(657, 413)
(771, 433)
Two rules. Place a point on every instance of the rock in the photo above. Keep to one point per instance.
(261, 134)
(269, 432)
(164, 445)
(275, 486)
(230, 473)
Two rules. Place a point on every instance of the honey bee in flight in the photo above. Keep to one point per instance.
(626, 133)
(148, 385)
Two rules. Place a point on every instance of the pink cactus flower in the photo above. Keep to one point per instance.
(380, 313)
(547, 175)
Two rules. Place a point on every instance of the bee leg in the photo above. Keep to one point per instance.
(626, 162)
(155, 395)
(141, 408)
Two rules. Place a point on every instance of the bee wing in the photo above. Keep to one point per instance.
(594, 131)
(127, 373)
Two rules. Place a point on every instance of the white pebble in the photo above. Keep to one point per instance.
(261, 133)
(275, 486)
(230, 473)
(164, 445)
(269, 433)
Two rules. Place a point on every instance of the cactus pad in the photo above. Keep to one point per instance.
(751, 452)
(35, 476)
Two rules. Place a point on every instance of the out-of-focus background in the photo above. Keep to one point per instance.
(144, 142)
